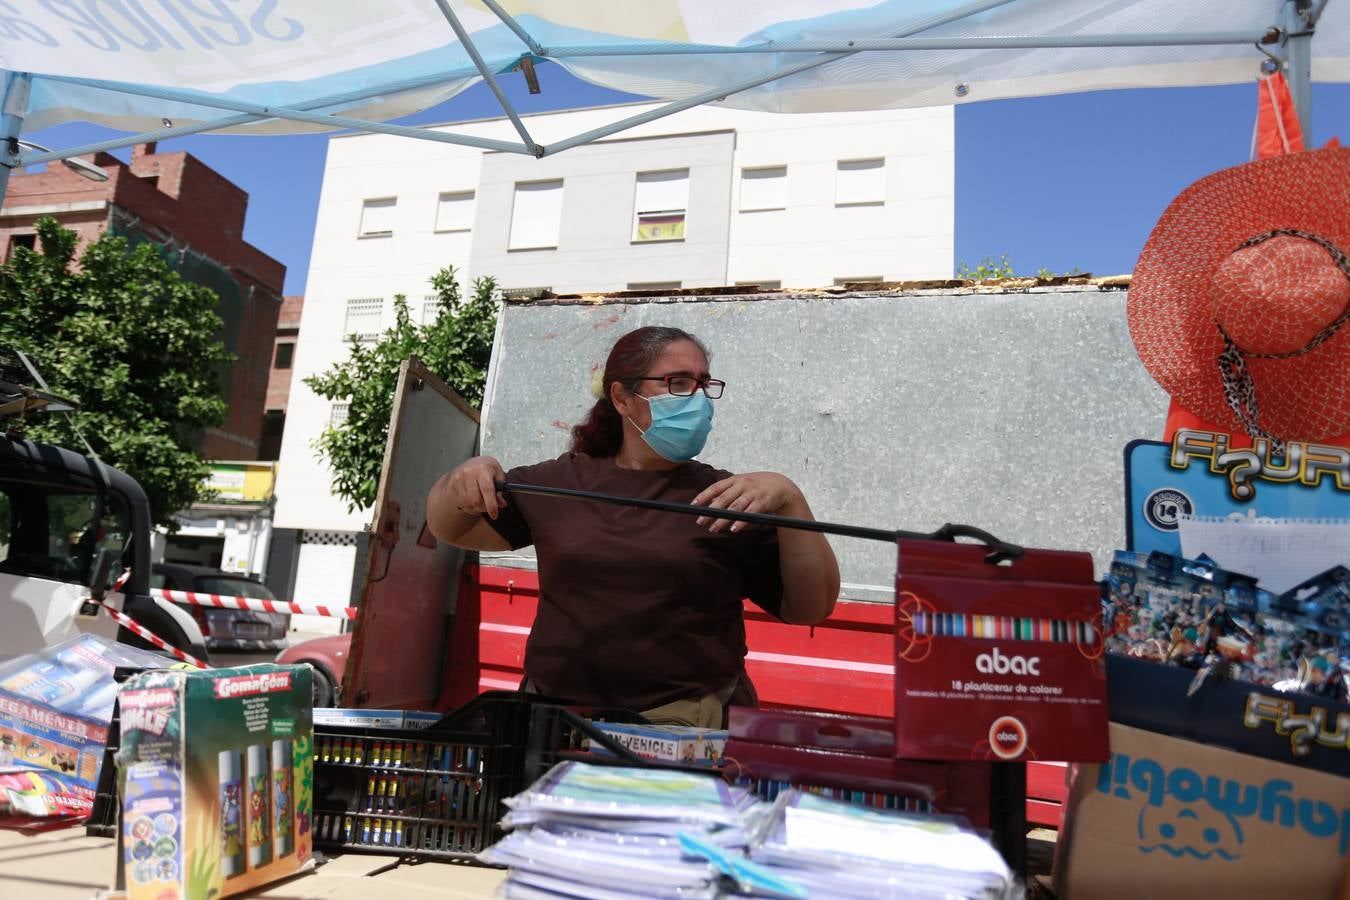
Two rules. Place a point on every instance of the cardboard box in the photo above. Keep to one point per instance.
(667, 743)
(1299, 729)
(1172, 818)
(998, 662)
(216, 779)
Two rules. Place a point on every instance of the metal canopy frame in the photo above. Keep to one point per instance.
(1295, 21)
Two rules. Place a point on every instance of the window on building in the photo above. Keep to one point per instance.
(337, 414)
(274, 422)
(536, 215)
(659, 205)
(858, 279)
(27, 241)
(152, 180)
(363, 317)
(431, 308)
(860, 182)
(454, 212)
(377, 217)
(764, 284)
(653, 285)
(285, 352)
(763, 189)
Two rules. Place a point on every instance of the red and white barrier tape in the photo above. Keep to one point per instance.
(141, 631)
(254, 603)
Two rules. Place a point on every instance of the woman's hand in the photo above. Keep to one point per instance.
(757, 492)
(458, 500)
(472, 486)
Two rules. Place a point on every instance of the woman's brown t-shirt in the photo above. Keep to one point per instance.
(637, 607)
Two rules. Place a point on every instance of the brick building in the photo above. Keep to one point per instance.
(279, 381)
(197, 214)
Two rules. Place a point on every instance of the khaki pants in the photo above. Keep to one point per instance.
(707, 711)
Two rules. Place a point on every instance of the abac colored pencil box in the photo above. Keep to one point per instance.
(998, 661)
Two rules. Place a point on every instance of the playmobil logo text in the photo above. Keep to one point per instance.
(995, 663)
(1302, 463)
(244, 685)
(1217, 807)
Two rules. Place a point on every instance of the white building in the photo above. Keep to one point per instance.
(707, 197)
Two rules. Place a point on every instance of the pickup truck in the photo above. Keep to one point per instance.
(1007, 409)
(69, 526)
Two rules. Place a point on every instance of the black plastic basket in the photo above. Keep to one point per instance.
(436, 792)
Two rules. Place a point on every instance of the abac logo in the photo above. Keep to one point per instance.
(995, 663)
(1186, 814)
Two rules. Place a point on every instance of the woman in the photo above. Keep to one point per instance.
(640, 608)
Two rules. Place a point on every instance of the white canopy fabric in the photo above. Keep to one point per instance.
(179, 66)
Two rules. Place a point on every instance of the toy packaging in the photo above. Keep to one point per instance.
(998, 661)
(217, 775)
(1171, 818)
(1193, 614)
(55, 706)
(667, 743)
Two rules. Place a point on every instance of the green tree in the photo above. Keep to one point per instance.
(456, 347)
(133, 342)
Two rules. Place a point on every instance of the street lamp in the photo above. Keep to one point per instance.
(74, 163)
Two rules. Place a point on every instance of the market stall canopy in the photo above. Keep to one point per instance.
(176, 67)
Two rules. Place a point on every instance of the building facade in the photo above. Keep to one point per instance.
(705, 198)
(182, 204)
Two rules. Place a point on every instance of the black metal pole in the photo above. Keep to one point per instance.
(1001, 549)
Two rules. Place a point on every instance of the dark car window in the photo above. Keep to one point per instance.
(51, 533)
(232, 587)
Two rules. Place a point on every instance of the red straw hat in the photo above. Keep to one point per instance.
(1238, 305)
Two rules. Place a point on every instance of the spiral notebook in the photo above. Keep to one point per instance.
(1279, 553)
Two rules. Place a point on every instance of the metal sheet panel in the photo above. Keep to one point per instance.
(1005, 410)
(403, 628)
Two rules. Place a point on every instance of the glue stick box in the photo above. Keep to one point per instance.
(216, 779)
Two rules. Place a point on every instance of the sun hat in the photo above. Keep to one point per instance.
(1239, 302)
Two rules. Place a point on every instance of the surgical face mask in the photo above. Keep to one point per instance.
(680, 425)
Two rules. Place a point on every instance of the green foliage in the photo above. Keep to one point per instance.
(456, 347)
(987, 270)
(133, 342)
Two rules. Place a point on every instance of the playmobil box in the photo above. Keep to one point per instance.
(216, 779)
(1300, 729)
(55, 706)
(667, 743)
(1165, 818)
(999, 661)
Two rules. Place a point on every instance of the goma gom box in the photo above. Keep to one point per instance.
(217, 776)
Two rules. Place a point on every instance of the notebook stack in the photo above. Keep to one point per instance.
(612, 832)
(838, 850)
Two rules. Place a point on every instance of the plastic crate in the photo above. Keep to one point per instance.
(435, 792)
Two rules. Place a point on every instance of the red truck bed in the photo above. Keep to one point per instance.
(841, 665)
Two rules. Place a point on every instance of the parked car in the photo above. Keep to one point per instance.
(225, 629)
(327, 656)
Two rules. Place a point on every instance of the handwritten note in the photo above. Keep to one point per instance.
(1280, 553)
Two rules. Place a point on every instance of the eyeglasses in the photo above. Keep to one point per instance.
(684, 385)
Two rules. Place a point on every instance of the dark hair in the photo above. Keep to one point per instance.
(601, 434)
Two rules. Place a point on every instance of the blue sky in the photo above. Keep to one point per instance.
(1064, 182)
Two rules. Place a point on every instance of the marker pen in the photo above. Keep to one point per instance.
(283, 797)
(231, 776)
(259, 814)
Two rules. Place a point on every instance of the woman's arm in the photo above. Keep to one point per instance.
(807, 564)
(459, 499)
